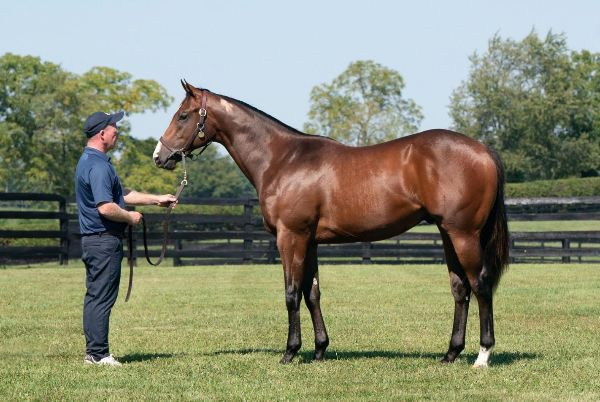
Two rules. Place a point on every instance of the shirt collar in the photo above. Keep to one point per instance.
(94, 151)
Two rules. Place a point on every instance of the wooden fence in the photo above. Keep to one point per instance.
(45, 243)
(238, 236)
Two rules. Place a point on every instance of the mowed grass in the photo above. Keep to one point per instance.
(217, 333)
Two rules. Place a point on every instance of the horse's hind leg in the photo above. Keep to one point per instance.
(469, 254)
(461, 291)
(312, 298)
(483, 289)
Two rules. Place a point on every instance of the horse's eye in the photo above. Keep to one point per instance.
(183, 116)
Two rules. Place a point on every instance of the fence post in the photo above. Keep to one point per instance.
(566, 245)
(248, 229)
(273, 251)
(366, 253)
(64, 230)
(176, 256)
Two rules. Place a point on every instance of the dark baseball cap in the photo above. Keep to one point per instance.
(98, 121)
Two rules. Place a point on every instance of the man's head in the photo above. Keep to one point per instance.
(101, 130)
(99, 121)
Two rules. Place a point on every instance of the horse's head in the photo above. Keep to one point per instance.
(186, 131)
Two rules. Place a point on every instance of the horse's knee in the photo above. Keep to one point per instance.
(292, 298)
(460, 287)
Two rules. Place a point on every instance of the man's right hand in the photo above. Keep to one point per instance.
(135, 218)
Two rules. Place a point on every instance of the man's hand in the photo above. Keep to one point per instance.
(165, 200)
(135, 218)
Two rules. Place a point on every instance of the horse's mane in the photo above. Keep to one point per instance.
(261, 113)
(267, 116)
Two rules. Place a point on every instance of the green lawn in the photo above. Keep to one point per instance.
(217, 333)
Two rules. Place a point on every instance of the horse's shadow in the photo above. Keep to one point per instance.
(499, 359)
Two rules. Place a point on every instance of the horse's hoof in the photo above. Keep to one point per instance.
(286, 359)
(318, 356)
(484, 365)
(448, 359)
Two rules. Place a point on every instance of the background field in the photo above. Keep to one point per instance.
(219, 332)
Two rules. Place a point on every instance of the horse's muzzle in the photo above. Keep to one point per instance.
(167, 161)
(168, 164)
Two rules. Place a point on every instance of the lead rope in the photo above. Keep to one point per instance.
(182, 185)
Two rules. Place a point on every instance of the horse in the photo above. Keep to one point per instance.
(314, 190)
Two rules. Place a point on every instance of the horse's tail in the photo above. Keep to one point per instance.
(494, 236)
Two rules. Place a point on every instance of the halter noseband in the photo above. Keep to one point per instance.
(199, 132)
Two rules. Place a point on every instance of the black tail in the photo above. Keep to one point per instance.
(495, 237)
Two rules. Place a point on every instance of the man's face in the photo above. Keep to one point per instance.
(111, 135)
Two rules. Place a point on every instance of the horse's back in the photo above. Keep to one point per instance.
(371, 193)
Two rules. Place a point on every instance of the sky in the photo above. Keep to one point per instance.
(271, 53)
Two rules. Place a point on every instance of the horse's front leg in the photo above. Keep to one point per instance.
(292, 249)
(312, 298)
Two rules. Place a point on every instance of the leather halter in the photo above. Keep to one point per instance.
(199, 132)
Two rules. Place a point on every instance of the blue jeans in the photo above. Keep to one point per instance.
(102, 255)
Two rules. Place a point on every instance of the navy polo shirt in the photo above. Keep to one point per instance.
(96, 181)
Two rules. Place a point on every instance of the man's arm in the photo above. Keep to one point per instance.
(114, 212)
(132, 197)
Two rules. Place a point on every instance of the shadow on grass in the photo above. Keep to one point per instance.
(142, 357)
(500, 358)
(304, 357)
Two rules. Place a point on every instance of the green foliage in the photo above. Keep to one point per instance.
(217, 333)
(362, 106)
(583, 187)
(215, 175)
(536, 103)
(42, 111)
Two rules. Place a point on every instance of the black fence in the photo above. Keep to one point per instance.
(238, 236)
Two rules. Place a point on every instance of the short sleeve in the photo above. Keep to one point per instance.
(101, 184)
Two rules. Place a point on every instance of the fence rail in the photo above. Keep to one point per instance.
(241, 238)
(57, 213)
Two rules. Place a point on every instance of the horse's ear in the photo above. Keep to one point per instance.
(188, 88)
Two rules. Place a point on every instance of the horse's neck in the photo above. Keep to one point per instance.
(251, 149)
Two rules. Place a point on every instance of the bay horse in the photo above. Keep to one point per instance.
(315, 190)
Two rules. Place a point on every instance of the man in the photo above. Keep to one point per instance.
(102, 219)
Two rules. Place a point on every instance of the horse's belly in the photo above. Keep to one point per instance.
(366, 226)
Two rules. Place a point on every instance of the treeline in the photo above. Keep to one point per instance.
(575, 187)
(534, 101)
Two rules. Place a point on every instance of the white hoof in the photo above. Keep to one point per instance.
(482, 359)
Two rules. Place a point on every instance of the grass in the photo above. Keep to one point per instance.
(217, 333)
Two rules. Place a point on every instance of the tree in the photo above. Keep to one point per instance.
(215, 175)
(362, 106)
(42, 112)
(536, 103)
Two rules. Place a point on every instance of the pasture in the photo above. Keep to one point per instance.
(218, 333)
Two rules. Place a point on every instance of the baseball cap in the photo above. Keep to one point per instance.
(99, 120)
